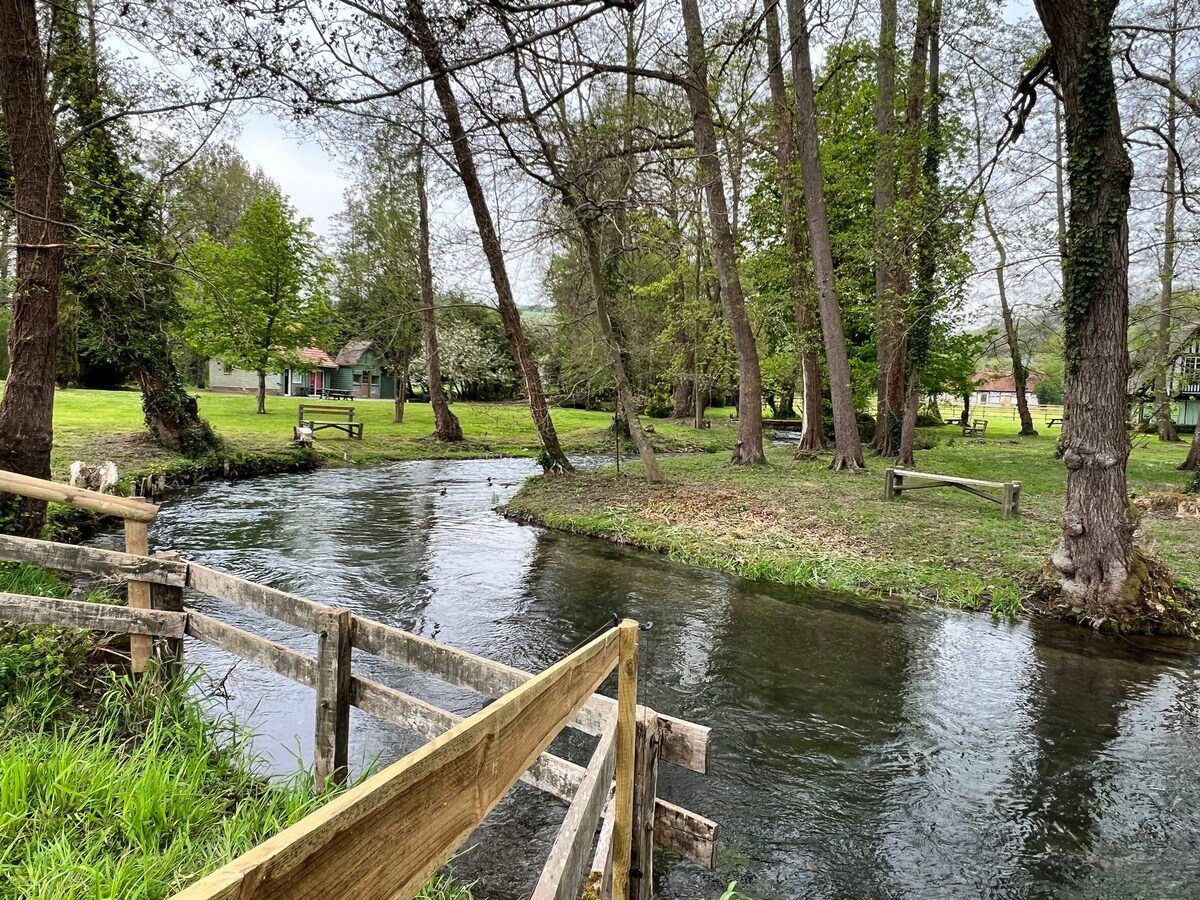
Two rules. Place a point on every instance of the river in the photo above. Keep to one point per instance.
(861, 750)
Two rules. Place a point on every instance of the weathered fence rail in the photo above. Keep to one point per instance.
(421, 807)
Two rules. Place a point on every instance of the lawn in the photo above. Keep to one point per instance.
(99, 425)
(798, 523)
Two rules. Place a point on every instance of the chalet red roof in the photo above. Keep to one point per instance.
(317, 357)
(993, 383)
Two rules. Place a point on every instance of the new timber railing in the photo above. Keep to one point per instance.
(384, 837)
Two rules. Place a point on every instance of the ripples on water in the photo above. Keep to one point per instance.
(860, 750)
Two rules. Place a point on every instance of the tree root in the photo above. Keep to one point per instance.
(1151, 602)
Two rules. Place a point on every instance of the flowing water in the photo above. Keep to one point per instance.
(861, 750)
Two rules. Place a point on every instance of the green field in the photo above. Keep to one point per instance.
(99, 425)
(798, 523)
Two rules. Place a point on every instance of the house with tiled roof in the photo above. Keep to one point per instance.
(993, 389)
(308, 376)
(361, 373)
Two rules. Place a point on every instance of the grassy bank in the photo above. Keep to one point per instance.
(99, 425)
(798, 523)
(116, 788)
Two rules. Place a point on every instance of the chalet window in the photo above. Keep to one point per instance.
(1190, 366)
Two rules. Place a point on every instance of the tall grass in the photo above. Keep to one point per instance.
(112, 787)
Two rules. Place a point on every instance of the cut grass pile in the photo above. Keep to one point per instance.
(795, 522)
(116, 788)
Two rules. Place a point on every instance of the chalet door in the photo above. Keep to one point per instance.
(366, 385)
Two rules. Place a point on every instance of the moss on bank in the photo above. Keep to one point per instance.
(798, 523)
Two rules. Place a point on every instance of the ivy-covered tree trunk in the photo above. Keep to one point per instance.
(445, 423)
(26, 411)
(1192, 462)
(847, 444)
(749, 449)
(891, 347)
(812, 435)
(421, 34)
(172, 414)
(1094, 559)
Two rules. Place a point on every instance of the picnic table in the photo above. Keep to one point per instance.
(335, 394)
(1050, 423)
(977, 428)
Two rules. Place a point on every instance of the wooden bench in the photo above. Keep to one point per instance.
(343, 419)
(977, 428)
(1009, 498)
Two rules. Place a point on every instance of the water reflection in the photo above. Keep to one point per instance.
(860, 750)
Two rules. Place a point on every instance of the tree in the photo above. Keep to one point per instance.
(812, 436)
(848, 445)
(262, 299)
(446, 424)
(1094, 559)
(749, 449)
(27, 407)
(421, 35)
(1162, 400)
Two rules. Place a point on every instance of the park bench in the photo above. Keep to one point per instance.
(977, 428)
(1009, 498)
(340, 418)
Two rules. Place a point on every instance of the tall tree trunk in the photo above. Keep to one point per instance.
(400, 389)
(890, 332)
(749, 448)
(445, 423)
(1019, 371)
(917, 196)
(26, 411)
(848, 446)
(595, 258)
(421, 33)
(1095, 556)
(1162, 398)
(262, 392)
(1192, 462)
(812, 437)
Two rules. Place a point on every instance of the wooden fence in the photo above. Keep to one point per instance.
(404, 822)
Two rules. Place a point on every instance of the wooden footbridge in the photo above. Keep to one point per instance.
(384, 837)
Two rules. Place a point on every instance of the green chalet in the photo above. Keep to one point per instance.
(361, 372)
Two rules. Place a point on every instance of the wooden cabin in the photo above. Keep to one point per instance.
(361, 372)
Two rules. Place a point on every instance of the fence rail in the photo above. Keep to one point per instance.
(462, 773)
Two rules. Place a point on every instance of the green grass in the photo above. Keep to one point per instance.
(99, 425)
(798, 523)
(116, 788)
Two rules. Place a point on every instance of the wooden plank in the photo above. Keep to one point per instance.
(645, 790)
(26, 610)
(558, 777)
(683, 743)
(562, 875)
(627, 684)
(94, 561)
(105, 504)
(169, 598)
(907, 474)
(270, 602)
(384, 837)
(548, 773)
(331, 754)
(889, 484)
(137, 543)
(691, 836)
(599, 881)
(275, 657)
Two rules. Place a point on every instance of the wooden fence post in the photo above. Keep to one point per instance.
(331, 750)
(170, 599)
(627, 674)
(137, 541)
(645, 790)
